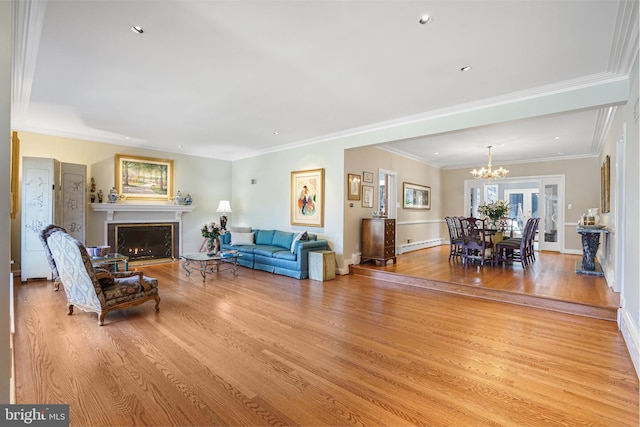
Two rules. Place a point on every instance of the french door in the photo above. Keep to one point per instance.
(529, 197)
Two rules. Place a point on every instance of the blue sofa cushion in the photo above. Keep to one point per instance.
(266, 250)
(264, 237)
(285, 255)
(282, 239)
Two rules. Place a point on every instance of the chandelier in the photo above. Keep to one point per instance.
(488, 172)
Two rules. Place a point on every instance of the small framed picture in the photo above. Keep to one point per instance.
(353, 189)
(367, 177)
(367, 196)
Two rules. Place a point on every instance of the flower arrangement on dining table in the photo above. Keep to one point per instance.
(495, 211)
(211, 231)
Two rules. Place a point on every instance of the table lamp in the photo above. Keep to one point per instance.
(224, 207)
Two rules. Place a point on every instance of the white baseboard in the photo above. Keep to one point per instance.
(414, 246)
(572, 251)
(630, 333)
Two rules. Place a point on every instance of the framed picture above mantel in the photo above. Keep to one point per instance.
(145, 178)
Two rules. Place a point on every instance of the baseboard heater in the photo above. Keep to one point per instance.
(414, 246)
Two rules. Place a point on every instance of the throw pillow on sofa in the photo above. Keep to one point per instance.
(300, 236)
(241, 238)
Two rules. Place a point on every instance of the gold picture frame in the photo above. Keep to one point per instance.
(367, 177)
(367, 196)
(416, 196)
(307, 198)
(605, 185)
(353, 186)
(144, 177)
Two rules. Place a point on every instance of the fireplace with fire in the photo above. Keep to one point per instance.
(144, 242)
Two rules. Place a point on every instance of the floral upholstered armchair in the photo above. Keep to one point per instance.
(90, 289)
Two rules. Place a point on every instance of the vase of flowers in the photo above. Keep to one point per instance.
(495, 211)
(211, 231)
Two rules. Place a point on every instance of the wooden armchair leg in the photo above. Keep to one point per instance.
(70, 309)
(157, 298)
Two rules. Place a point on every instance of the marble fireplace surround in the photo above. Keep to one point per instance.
(148, 213)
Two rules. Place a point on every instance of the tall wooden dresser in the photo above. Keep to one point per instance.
(379, 239)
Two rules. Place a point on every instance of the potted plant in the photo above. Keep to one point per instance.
(495, 211)
(211, 231)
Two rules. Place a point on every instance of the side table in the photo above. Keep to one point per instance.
(322, 265)
(590, 242)
(111, 258)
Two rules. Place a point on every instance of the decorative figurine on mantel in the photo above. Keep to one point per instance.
(178, 199)
(188, 199)
(92, 189)
(113, 195)
(100, 196)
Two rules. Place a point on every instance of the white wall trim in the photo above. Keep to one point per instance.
(630, 335)
(422, 221)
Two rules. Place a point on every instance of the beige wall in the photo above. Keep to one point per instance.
(414, 224)
(582, 189)
(207, 180)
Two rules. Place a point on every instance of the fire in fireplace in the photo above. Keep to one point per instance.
(145, 242)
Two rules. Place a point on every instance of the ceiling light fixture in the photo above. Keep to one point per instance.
(137, 29)
(488, 172)
(467, 68)
(425, 19)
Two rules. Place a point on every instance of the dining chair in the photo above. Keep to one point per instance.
(518, 249)
(476, 241)
(455, 236)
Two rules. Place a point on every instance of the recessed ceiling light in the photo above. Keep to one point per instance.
(467, 68)
(137, 29)
(425, 19)
(557, 137)
(276, 132)
(180, 146)
(436, 153)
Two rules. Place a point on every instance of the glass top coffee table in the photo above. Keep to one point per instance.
(114, 258)
(207, 263)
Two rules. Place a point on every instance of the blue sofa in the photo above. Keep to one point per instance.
(275, 251)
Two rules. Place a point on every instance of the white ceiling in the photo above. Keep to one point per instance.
(219, 78)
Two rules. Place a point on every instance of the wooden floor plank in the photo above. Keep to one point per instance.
(550, 282)
(262, 349)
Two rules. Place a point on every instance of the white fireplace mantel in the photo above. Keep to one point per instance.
(112, 208)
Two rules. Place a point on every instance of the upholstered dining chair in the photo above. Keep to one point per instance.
(455, 236)
(476, 241)
(518, 249)
(94, 290)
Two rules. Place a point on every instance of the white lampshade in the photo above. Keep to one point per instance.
(224, 207)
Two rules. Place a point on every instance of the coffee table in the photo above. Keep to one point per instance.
(111, 258)
(206, 263)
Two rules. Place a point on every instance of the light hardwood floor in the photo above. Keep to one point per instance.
(550, 282)
(262, 349)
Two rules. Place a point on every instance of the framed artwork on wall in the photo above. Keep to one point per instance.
(367, 196)
(307, 198)
(144, 177)
(605, 185)
(416, 196)
(353, 186)
(367, 177)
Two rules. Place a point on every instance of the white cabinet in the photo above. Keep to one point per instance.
(52, 193)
